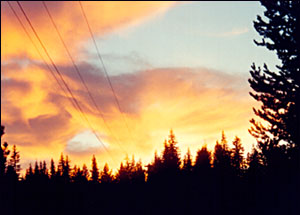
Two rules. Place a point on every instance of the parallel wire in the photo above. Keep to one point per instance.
(105, 71)
(62, 79)
(80, 76)
(39, 53)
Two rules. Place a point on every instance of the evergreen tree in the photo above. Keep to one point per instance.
(85, 172)
(76, 174)
(254, 162)
(171, 157)
(52, 169)
(106, 175)
(66, 170)
(41, 168)
(14, 161)
(61, 165)
(187, 163)
(138, 174)
(203, 160)
(95, 170)
(45, 171)
(278, 91)
(29, 173)
(4, 152)
(124, 174)
(222, 153)
(237, 155)
(154, 169)
(36, 170)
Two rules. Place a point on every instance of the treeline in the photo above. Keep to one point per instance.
(222, 181)
(230, 161)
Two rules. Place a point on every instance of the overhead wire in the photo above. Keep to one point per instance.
(39, 53)
(80, 76)
(105, 70)
(63, 81)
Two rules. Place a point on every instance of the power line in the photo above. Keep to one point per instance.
(39, 53)
(62, 79)
(80, 76)
(104, 68)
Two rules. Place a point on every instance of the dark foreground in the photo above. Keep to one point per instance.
(190, 195)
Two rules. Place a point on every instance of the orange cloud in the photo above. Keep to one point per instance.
(104, 17)
(197, 103)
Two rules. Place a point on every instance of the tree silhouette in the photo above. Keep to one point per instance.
(4, 152)
(237, 155)
(29, 173)
(254, 162)
(52, 169)
(138, 173)
(106, 175)
(155, 168)
(85, 172)
(60, 166)
(170, 157)
(215, 190)
(14, 161)
(222, 159)
(278, 91)
(203, 160)
(95, 170)
(66, 170)
(131, 172)
(36, 170)
(187, 163)
(77, 175)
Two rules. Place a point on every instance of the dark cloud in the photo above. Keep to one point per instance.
(10, 85)
(46, 127)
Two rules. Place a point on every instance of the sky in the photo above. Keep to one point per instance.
(172, 65)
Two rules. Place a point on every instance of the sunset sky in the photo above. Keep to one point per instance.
(174, 65)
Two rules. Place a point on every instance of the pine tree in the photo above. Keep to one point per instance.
(66, 170)
(36, 170)
(222, 153)
(255, 165)
(237, 155)
(14, 161)
(203, 160)
(278, 91)
(29, 173)
(4, 152)
(106, 175)
(61, 165)
(138, 174)
(154, 169)
(187, 163)
(95, 170)
(45, 171)
(52, 169)
(41, 168)
(171, 157)
(85, 172)
(125, 171)
(122, 175)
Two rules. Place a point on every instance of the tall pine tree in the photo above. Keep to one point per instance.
(14, 161)
(278, 91)
(95, 170)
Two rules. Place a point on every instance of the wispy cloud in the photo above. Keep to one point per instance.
(234, 32)
(229, 33)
